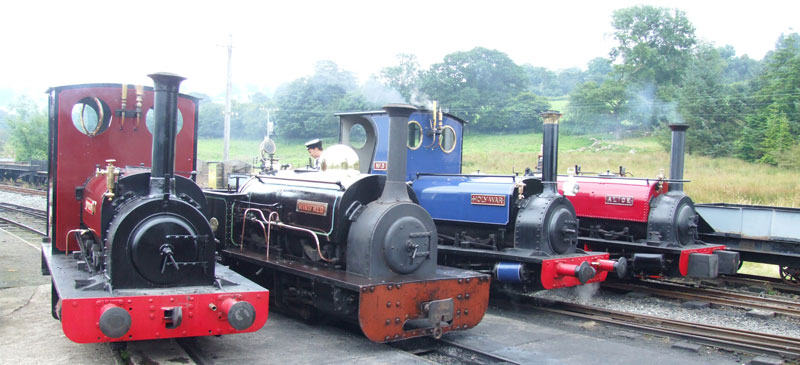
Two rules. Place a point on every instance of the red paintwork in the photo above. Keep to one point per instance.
(78, 153)
(552, 279)
(80, 317)
(604, 265)
(683, 261)
(590, 202)
(93, 204)
(73, 165)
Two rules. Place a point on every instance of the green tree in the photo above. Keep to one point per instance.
(306, 105)
(28, 130)
(542, 81)
(777, 138)
(654, 49)
(249, 120)
(655, 44)
(568, 79)
(404, 77)
(597, 107)
(476, 85)
(710, 106)
(598, 70)
(738, 69)
(521, 114)
(775, 124)
(211, 119)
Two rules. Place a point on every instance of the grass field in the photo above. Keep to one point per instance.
(712, 179)
(289, 151)
(727, 180)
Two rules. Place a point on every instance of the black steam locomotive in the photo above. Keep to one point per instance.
(350, 245)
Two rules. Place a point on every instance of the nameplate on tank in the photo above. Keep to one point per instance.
(89, 206)
(619, 200)
(311, 207)
(484, 199)
(380, 165)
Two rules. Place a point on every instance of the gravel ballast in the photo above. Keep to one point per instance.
(30, 201)
(722, 316)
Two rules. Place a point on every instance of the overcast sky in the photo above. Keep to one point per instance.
(53, 43)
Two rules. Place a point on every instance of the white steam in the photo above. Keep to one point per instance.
(585, 292)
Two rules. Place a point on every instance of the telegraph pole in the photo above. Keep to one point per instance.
(226, 136)
(269, 124)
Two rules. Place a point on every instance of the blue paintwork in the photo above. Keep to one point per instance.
(449, 197)
(509, 271)
(429, 157)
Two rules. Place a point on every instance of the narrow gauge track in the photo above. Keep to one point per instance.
(26, 223)
(763, 282)
(449, 352)
(716, 296)
(727, 338)
(21, 190)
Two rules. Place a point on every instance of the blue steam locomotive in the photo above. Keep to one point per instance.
(518, 228)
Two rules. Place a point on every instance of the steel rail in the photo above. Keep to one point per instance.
(23, 226)
(755, 342)
(33, 212)
(729, 298)
(18, 189)
(760, 281)
(460, 353)
(477, 351)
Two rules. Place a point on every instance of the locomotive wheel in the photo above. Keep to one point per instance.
(790, 275)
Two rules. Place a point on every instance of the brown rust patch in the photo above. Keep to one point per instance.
(385, 308)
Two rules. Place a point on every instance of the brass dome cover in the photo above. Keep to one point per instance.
(339, 158)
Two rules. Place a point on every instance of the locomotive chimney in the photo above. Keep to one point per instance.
(165, 108)
(395, 188)
(550, 150)
(676, 155)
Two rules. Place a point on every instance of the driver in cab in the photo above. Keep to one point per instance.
(314, 147)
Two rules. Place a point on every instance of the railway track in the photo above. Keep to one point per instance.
(27, 224)
(21, 190)
(721, 337)
(716, 296)
(762, 282)
(449, 352)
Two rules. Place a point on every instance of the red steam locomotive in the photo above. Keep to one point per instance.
(130, 249)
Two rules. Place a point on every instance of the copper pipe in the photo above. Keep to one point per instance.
(278, 223)
(244, 223)
(124, 104)
(66, 245)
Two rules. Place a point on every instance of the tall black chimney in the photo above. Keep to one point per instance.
(676, 155)
(395, 188)
(550, 150)
(165, 108)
